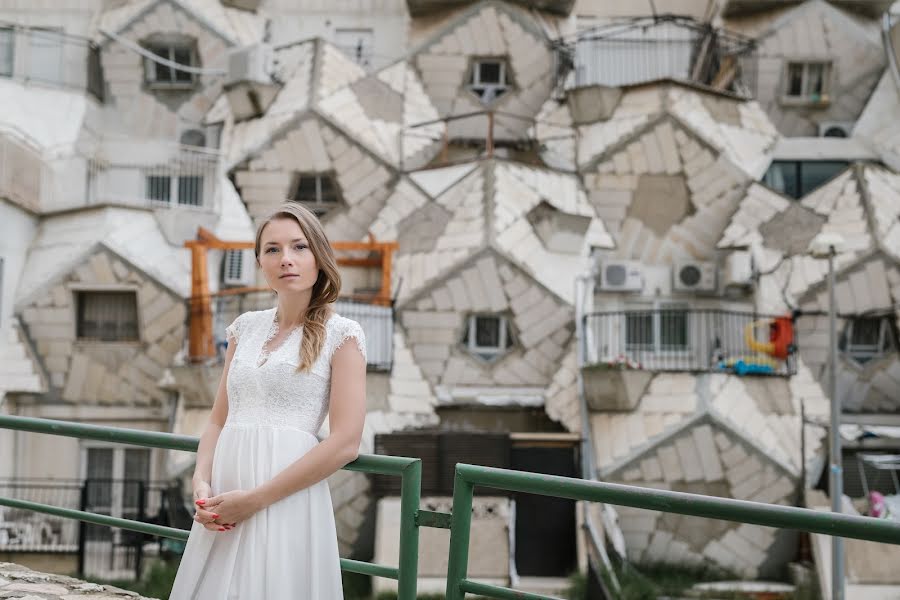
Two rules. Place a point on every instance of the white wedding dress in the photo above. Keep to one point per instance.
(288, 550)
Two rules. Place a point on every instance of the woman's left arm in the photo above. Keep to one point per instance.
(346, 417)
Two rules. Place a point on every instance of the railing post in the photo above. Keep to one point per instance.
(458, 564)
(410, 496)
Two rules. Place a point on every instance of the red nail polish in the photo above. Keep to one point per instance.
(201, 501)
(215, 516)
(221, 529)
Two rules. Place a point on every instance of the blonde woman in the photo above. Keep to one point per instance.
(264, 525)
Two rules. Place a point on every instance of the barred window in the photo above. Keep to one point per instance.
(107, 316)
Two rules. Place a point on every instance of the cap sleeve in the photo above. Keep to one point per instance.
(233, 332)
(349, 329)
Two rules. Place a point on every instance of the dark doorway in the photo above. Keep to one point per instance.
(545, 527)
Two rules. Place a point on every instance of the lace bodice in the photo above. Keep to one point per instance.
(264, 388)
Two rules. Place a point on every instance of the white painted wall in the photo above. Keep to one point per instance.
(17, 230)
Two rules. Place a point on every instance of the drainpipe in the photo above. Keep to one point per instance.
(889, 49)
(588, 469)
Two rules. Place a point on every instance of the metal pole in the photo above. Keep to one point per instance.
(836, 476)
(410, 492)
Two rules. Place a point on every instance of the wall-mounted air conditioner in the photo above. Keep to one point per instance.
(249, 86)
(838, 129)
(237, 267)
(621, 276)
(694, 276)
(738, 271)
(250, 63)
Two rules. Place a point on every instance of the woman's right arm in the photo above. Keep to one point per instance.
(207, 447)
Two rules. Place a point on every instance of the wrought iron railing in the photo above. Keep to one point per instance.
(50, 57)
(376, 321)
(695, 340)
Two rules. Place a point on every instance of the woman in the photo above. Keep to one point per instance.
(264, 525)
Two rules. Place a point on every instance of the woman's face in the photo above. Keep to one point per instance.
(286, 260)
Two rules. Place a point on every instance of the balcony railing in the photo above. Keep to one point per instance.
(636, 50)
(377, 322)
(683, 340)
(160, 175)
(51, 57)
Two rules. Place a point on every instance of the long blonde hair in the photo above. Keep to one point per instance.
(328, 283)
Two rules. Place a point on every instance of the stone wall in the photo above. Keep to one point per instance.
(17, 581)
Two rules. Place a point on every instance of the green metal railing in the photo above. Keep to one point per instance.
(460, 520)
(757, 513)
(408, 469)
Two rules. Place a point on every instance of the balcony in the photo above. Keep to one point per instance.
(623, 349)
(154, 174)
(637, 50)
(420, 8)
(49, 56)
(376, 321)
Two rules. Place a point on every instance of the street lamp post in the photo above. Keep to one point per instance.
(826, 245)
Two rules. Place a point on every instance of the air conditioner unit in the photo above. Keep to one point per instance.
(694, 276)
(250, 64)
(738, 272)
(838, 129)
(621, 276)
(237, 267)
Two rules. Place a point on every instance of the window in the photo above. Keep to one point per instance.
(487, 336)
(657, 330)
(357, 44)
(45, 55)
(107, 316)
(807, 82)
(115, 478)
(796, 178)
(7, 51)
(866, 338)
(177, 49)
(193, 137)
(489, 79)
(188, 187)
(317, 192)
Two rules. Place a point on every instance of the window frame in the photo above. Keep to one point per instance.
(489, 93)
(175, 197)
(805, 98)
(796, 167)
(318, 207)
(166, 47)
(488, 354)
(10, 33)
(865, 353)
(79, 294)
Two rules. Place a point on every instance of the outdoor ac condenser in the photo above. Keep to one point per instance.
(694, 276)
(621, 276)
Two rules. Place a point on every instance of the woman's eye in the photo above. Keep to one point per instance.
(270, 250)
(301, 246)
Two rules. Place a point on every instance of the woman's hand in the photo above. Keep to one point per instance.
(204, 516)
(233, 507)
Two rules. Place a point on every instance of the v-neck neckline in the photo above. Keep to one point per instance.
(263, 355)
